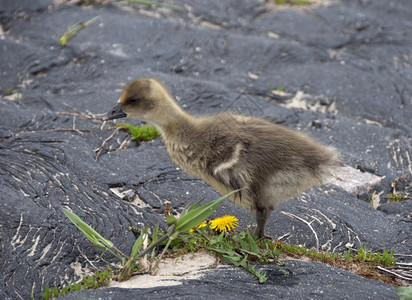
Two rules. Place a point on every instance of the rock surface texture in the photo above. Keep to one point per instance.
(340, 71)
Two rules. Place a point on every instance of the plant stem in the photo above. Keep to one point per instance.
(152, 246)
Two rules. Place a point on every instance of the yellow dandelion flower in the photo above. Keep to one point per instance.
(224, 223)
(203, 224)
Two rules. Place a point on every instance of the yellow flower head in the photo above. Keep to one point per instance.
(224, 223)
(203, 224)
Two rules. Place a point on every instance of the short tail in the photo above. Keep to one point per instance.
(331, 167)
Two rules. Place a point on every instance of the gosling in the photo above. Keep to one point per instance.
(268, 163)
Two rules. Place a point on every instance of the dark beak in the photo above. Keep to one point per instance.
(115, 113)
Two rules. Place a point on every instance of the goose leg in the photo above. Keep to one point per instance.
(262, 214)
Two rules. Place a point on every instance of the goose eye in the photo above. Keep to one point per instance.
(132, 100)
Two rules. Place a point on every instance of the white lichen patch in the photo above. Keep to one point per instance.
(14, 96)
(33, 248)
(300, 101)
(117, 49)
(123, 194)
(354, 181)
(79, 271)
(375, 199)
(304, 7)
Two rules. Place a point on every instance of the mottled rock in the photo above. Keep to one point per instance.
(340, 72)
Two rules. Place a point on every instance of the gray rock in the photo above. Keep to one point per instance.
(345, 72)
(302, 281)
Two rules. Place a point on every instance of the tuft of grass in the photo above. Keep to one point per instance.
(279, 89)
(99, 279)
(361, 262)
(7, 91)
(362, 255)
(395, 197)
(385, 258)
(303, 251)
(190, 217)
(371, 199)
(140, 133)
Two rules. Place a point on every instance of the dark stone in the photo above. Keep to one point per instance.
(402, 208)
(296, 280)
(348, 61)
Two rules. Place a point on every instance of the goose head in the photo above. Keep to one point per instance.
(148, 100)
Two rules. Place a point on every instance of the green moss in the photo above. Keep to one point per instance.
(99, 279)
(7, 91)
(140, 133)
(363, 255)
(395, 197)
(385, 258)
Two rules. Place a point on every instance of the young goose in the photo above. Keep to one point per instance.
(268, 162)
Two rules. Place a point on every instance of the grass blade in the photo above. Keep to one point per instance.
(155, 235)
(138, 243)
(88, 231)
(74, 30)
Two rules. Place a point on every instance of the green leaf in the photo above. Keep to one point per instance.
(170, 220)
(239, 238)
(155, 235)
(226, 245)
(195, 216)
(244, 263)
(100, 248)
(88, 231)
(138, 243)
(188, 208)
(261, 276)
(251, 241)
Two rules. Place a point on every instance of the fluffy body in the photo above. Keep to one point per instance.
(268, 162)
